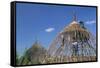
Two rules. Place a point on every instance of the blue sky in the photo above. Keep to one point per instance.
(44, 22)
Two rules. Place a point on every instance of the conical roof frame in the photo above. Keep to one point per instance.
(74, 26)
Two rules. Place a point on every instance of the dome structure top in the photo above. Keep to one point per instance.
(74, 22)
(75, 27)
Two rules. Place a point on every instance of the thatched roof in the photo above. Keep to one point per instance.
(74, 26)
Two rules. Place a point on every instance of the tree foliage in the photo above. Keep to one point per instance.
(17, 59)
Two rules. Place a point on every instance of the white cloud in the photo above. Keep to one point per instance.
(49, 29)
(90, 22)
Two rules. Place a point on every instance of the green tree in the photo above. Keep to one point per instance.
(17, 59)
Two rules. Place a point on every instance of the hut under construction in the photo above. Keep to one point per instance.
(72, 44)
